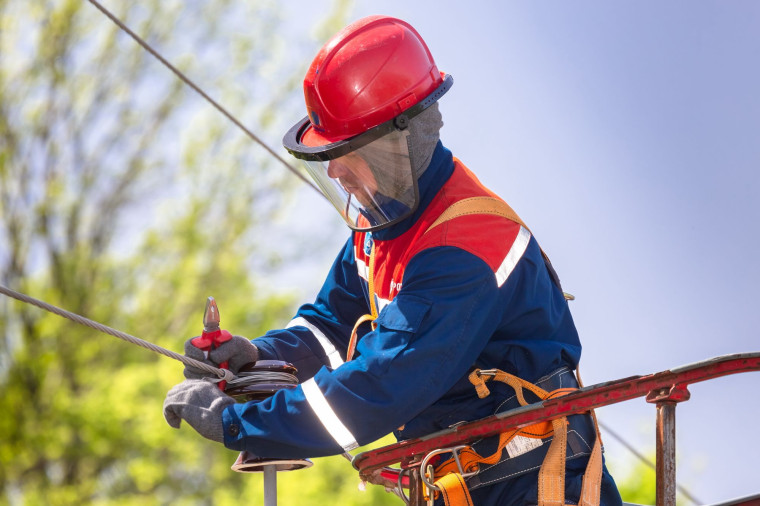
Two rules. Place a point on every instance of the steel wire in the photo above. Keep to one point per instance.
(254, 377)
(202, 93)
(221, 373)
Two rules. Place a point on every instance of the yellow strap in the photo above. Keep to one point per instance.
(372, 307)
(471, 460)
(354, 336)
(454, 490)
(477, 205)
(551, 476)
(479, 377)
(592, 478)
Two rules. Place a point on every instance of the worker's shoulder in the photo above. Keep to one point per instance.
(488, 237)
(467, 215)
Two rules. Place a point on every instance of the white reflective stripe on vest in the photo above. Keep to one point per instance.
(332, 353)
(381, 303)
(362, 268)
(327, 416)
(514, 256)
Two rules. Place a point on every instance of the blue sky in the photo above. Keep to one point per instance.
(627, 136)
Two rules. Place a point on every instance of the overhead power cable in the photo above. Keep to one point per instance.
(221, 373)
(202, 93)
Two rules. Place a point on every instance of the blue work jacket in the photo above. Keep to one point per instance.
(475, 292)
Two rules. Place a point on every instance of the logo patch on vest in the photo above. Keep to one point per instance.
(368, 244)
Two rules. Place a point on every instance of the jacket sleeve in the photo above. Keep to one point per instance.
(426, 339)
(318, 335)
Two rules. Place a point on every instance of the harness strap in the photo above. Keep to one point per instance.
(592, 479)
(471, 460)
(372, 316)
(551, 476)
(478, 205)
(454, 490)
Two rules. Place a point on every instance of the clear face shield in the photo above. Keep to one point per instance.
(373, 186)
(369, 177)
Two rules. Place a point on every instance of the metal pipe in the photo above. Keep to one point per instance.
(415, 488)
(270, 486)
(666, 453)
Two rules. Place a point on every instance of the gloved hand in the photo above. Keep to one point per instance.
(200, 403)
(238, 352)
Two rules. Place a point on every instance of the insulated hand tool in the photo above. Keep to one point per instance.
(212, 335)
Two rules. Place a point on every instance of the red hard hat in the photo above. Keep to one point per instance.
(368, 73)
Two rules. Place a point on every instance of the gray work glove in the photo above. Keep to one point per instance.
(200, 403)
(238, 352)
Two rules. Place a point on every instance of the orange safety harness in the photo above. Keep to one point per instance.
(372, 316)
(448, 478)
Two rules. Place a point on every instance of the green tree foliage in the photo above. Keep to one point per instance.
(125, 198)
(638, 485)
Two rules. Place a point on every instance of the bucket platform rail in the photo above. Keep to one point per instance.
(663, 389)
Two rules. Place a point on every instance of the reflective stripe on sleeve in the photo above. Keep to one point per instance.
(332, 353)
(327, 416)
(514, 256)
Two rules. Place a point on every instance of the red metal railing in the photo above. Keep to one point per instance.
(664, 389)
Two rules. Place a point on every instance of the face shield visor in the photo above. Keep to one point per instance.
(373, 186)
(368, 178)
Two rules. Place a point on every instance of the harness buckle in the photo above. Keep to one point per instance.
(427, 471)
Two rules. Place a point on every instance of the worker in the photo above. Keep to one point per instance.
(426, 289)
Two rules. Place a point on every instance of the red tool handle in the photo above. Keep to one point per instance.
(210, 340)
(392, 474)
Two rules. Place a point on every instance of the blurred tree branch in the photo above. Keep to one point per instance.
(123, 198)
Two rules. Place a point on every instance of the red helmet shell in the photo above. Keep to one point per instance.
(368, 73)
